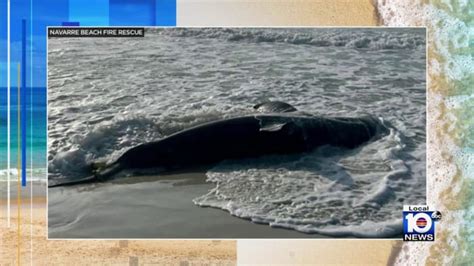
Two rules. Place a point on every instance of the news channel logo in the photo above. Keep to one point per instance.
(419, 222)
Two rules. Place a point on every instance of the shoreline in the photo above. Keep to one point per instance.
(165, 199)
(395, 252)
(384, 252)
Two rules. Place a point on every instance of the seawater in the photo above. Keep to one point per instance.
(107, 96)
(35, 134)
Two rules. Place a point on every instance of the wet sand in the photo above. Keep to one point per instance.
(149, 207)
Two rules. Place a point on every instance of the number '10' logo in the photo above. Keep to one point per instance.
(418, 223)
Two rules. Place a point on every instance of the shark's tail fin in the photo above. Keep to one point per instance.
(89, 179)
(107, 172)
(99, 175)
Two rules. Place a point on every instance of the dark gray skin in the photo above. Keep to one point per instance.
(242, 137)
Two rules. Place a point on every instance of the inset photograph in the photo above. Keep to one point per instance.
(236, 133)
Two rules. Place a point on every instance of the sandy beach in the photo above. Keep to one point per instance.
(323, 252)
(277, 13)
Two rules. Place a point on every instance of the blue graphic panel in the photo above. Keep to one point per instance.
(132, 13)
(70, 24)
(89, 12)
(3, 84)
(166, 12)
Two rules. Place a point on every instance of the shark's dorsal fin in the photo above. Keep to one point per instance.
(274, 107)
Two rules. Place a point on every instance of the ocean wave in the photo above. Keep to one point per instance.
(104, 142)
(367, 39)
(34, 174)
(327, 191)
(108, 140)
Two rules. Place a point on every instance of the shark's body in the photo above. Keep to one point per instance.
(243, 137)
